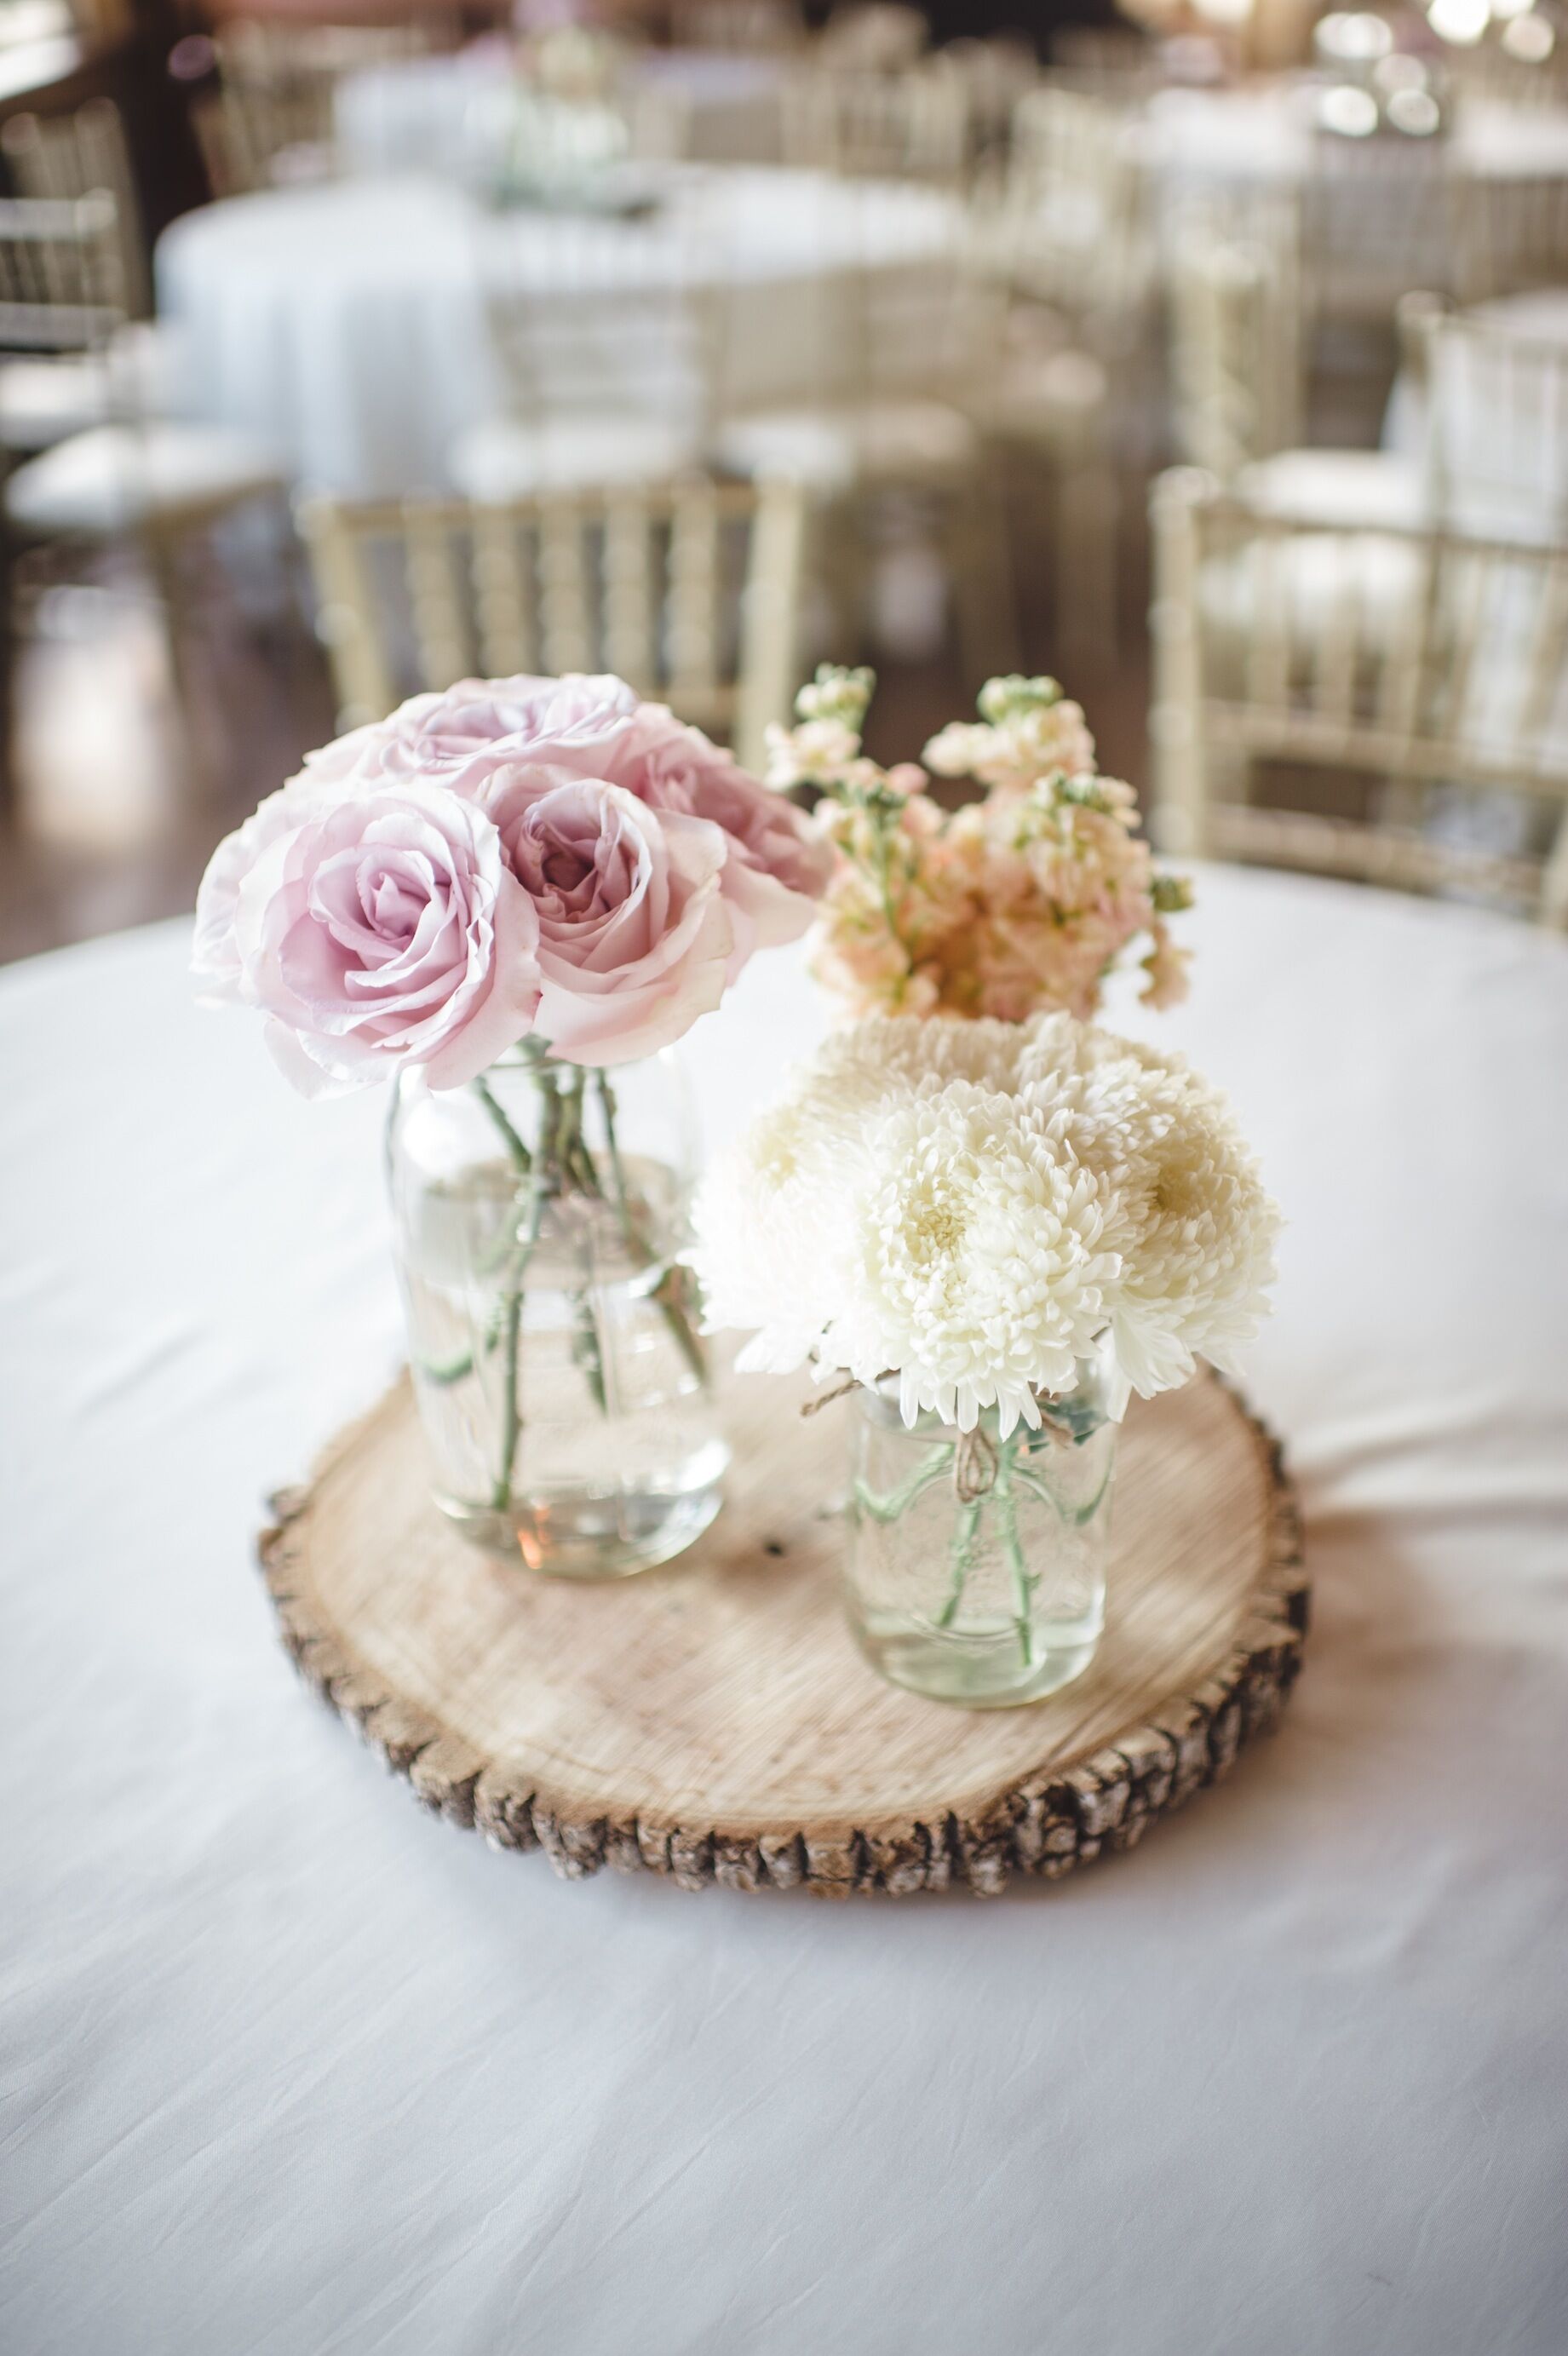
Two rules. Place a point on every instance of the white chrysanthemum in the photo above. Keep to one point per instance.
(1191, 1224)
(771, 1218)
(978, 1267)
(914, 1047)
(1198, 1240)
(972, 1205)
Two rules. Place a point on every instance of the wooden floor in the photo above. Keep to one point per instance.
(121, 791)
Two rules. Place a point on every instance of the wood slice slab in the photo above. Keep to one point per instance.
(713, 1720)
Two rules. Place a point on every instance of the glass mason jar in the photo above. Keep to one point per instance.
(976, 1565)
(561, 1383)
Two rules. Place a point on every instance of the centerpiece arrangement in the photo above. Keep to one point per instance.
(511, 900)
(991, 1219)
(988, 1217)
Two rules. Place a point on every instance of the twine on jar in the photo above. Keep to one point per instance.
(974, 1466)
(815, 1405)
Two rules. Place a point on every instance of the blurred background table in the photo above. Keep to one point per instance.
(1266, 135)
(293, 2066)
(352, 325)
(438, 113)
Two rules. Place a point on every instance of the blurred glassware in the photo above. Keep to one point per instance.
(1356, 40)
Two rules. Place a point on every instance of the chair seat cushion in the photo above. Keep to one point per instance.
(43, 400)
(833, 446)
(508, 458)
(1310, 582)
(119, 477)
(1348, 487)
(1049, 397)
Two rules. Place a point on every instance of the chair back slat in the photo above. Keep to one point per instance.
(1494, 396)
(691, 591)
(68, 156)
(1075, 207)
(505, 602)
(646, 299)
(770, 621)
(437, 600)
(1511, 235)
(61, 284)
(347, 607)
(1434, 661)
(630, 604)
(1545, 684)
(566, 594)
(913, 124)
(272, 114)
(695, 586)
(1236, 320)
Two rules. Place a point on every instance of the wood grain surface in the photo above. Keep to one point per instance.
(712, 1720)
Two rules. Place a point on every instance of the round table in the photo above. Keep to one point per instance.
(1380, 214)
(426, 113)
(1266, 136)
(351, 325)
(293, 2066)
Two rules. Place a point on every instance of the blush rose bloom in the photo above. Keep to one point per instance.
(481, 737)
(461, 736)
(775, 868)
(373, 930)
(635, 936)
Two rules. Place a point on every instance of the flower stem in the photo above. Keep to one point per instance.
(511, 1423)
(959, 1556)
(515, 1146)
(586, 1348)
(891, 1508)
(666, 1294)
(1024, 1583)
(541, 1195)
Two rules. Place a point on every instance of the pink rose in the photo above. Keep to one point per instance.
(774, 870)
(373, 929)
(462, 735)
(635, 935)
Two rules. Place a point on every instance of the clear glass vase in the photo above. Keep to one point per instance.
(561, 1383)
(976, 1565)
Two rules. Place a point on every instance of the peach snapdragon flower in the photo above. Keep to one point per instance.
(1013, 905)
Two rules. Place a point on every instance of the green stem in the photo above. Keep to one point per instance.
(586, 1348)
(515, 1146)
(960, 1555)
(512, 1322)
(1008, 1523)
(1076, 1515)
(606, 1095)
(666, 1294)
(891, 1508)
(511, 1422)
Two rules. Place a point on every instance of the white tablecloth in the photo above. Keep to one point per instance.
(433, 113)
(290, 2067)
(351, 325)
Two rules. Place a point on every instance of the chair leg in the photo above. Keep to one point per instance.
(977, 556)
(1555, 879)
(8, 812)
(161, 552)
(1086, 570)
